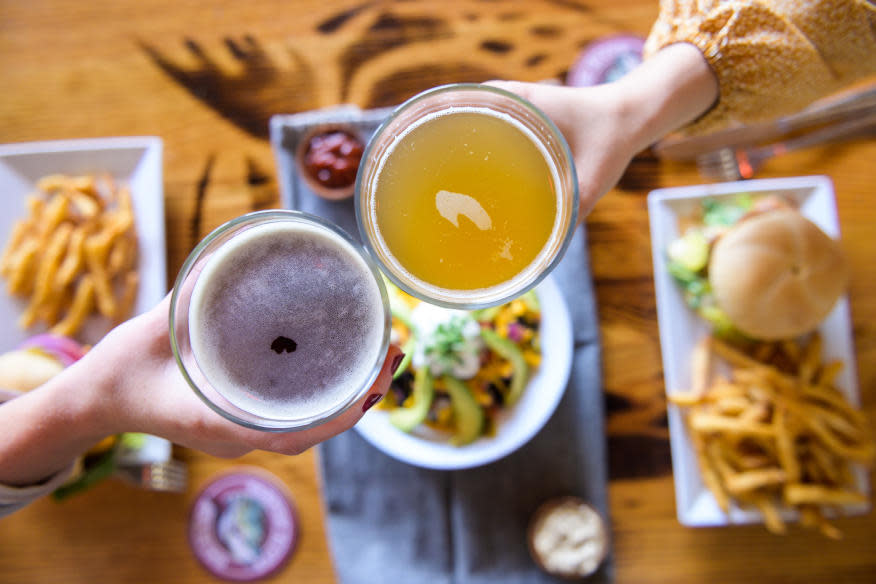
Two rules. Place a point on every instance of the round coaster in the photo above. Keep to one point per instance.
(243, 526)
(605, 60)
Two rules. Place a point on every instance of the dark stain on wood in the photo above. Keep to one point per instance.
(389, 32)
(403, 84)
(572, 5)
(635, 456)
(642, 174)
(334, 23)
(662, 421)
(249, 97)
(262, 188)
(254, 175)
(616, 403)
(200, 198)
(548, 31)
(535, 60)
(497, 46)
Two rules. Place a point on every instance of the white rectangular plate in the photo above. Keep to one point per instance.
(136, 161)
(681, 329)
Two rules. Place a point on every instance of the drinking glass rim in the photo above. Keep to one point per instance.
(279, 424)
(505, 296)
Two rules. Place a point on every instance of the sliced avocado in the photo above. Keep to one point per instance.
(400, 310)
(530, 299)
(408, 349)
(691, 250)
(681, 274)
(468, 413)
(408, 418)
(486, 314)
(507, 349)
(726, 212)
(721, 325)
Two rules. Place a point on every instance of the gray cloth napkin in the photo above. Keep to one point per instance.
(396, 523)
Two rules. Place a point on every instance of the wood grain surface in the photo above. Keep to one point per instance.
(207, 76)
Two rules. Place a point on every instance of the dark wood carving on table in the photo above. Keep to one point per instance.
(260, 86)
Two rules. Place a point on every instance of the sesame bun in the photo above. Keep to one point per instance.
(777, 275)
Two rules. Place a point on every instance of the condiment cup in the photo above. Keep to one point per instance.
(581, 509)
(332, 193)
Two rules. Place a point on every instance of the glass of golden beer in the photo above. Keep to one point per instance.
(467, 196)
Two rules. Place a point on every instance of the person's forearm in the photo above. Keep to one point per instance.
(46, 429)
(668, 91)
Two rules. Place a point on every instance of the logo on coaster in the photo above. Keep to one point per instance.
(243, 526)
(606, 60)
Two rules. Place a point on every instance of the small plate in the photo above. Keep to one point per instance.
(515, 427)
(681, 329)
(136, 161)
(289, 130)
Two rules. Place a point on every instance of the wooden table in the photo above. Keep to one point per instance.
(167, 68)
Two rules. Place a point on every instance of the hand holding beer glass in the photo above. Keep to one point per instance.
(279, 321)
(467, 196)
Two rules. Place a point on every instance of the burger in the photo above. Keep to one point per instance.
(770, 274)
(37, 360)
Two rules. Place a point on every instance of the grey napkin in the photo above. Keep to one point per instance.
(396, 523)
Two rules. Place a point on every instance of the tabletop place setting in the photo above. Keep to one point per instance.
(441, 365)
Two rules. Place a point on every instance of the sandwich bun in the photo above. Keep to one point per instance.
(25, 370)
(776, 275)
(37, 360)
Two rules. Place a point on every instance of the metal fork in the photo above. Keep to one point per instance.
(730, 164)
(169, 476)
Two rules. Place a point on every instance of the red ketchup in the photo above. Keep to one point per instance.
(332, 158)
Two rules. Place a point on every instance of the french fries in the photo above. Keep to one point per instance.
(75, 252)
(778, 434)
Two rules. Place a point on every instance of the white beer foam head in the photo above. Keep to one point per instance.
(296, 281)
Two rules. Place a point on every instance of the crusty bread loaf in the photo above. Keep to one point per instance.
(777, 275)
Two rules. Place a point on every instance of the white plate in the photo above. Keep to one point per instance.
(681, 329)
(135, 160)
(515, 427)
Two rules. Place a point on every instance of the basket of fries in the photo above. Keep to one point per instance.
(776, 434)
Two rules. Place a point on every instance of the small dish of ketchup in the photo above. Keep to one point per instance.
(328, 159)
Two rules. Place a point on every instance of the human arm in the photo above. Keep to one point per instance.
(129, 382)
(771, 57)
(608, 124)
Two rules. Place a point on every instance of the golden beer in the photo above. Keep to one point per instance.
(467, 200)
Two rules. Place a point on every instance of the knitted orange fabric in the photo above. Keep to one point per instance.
(771, 57)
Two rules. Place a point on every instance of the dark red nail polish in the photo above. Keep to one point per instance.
(396, 362)
(371, 400)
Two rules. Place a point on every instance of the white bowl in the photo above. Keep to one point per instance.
(681, 329)
(515, 427)
(135, 160)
